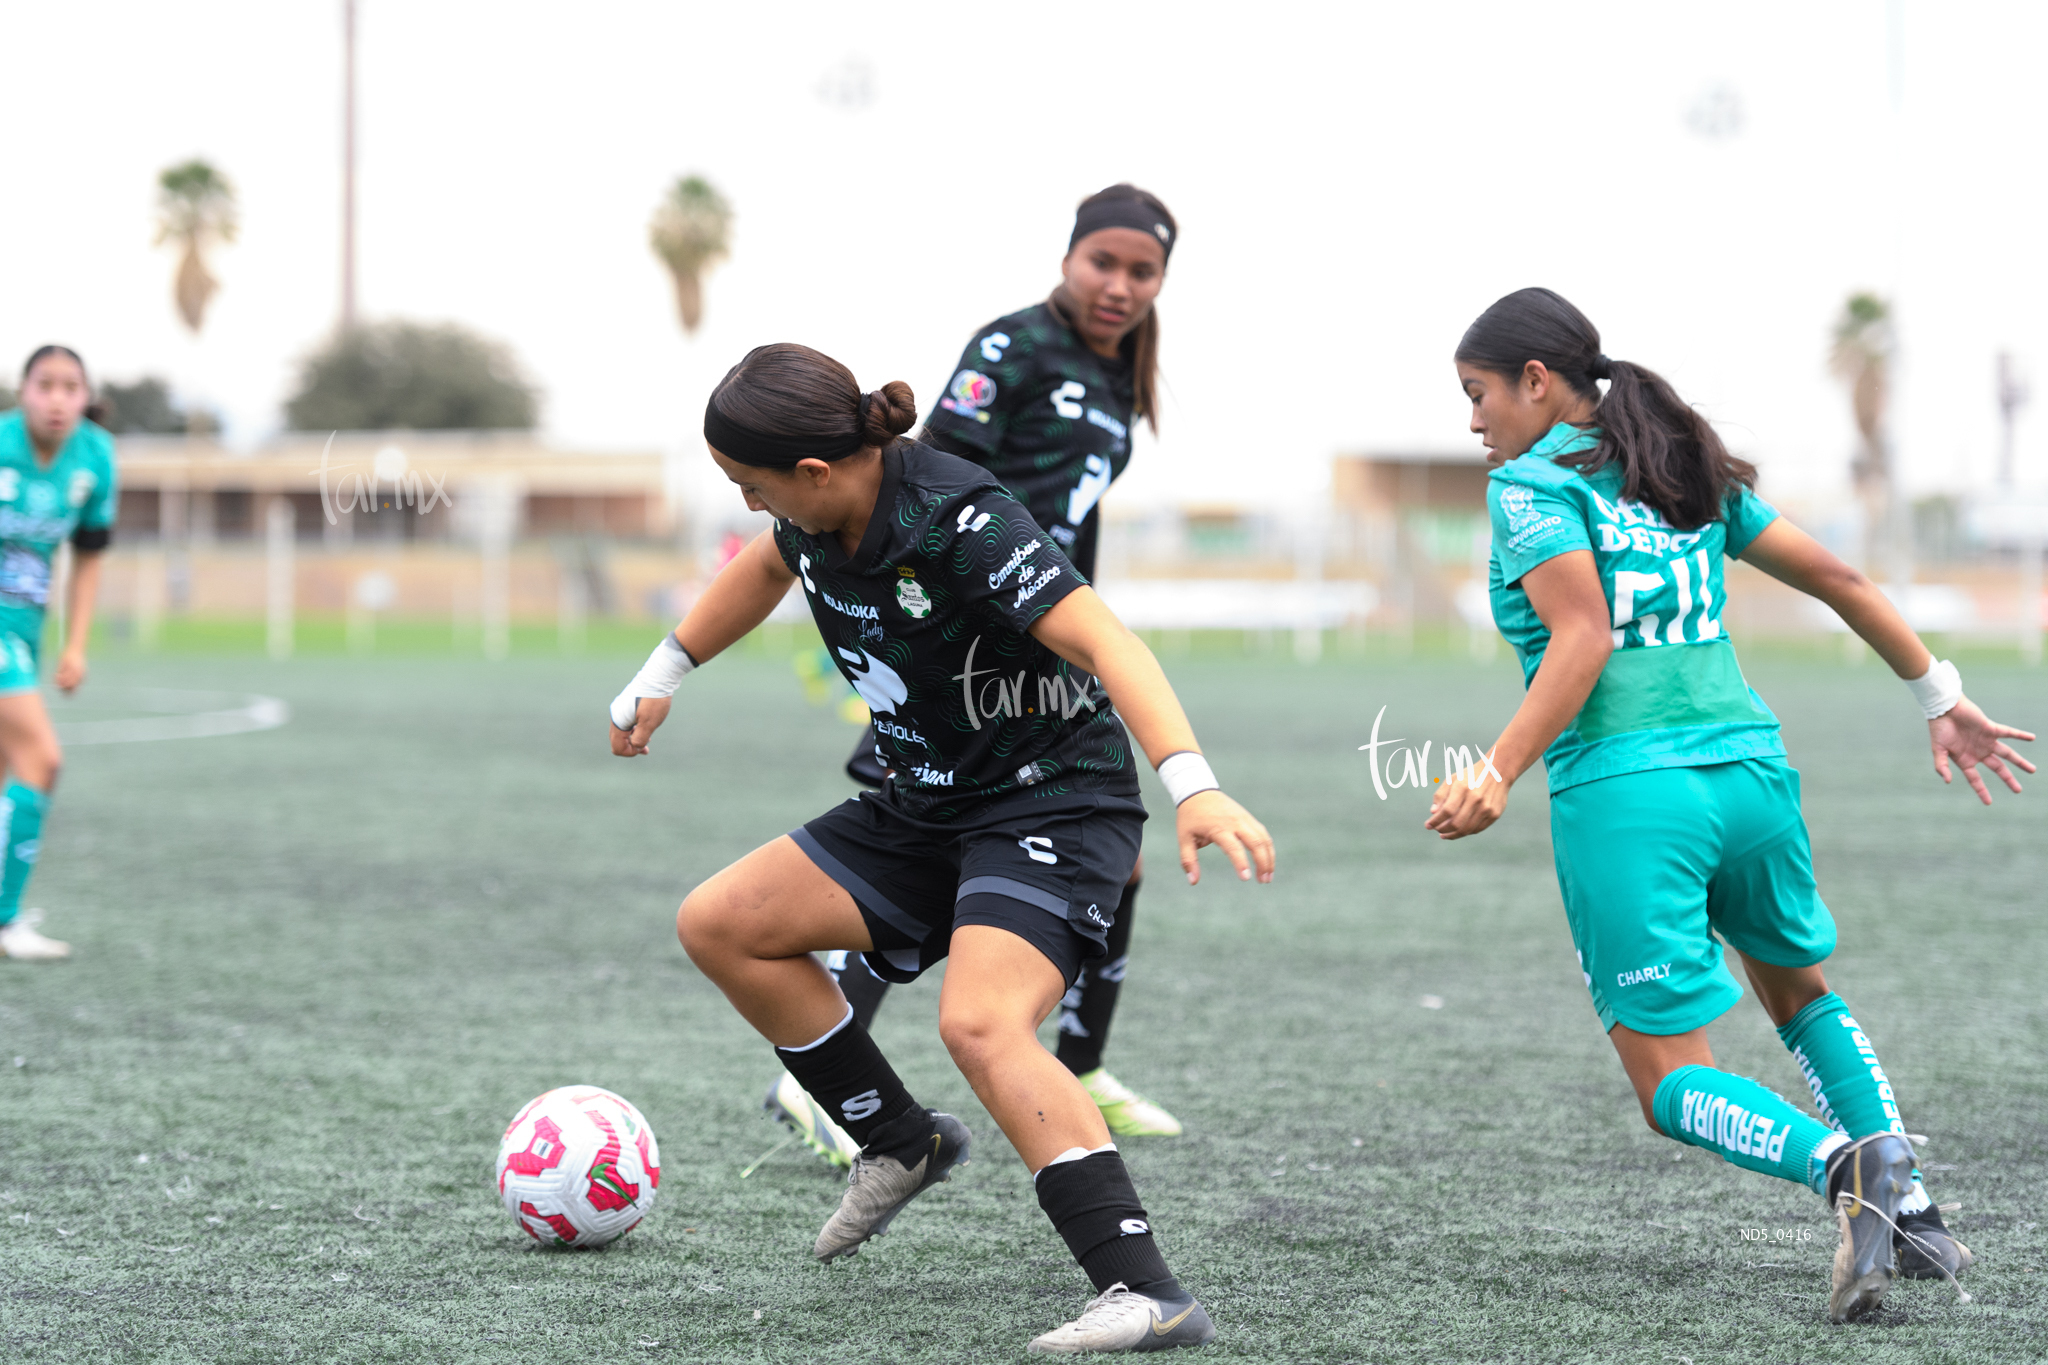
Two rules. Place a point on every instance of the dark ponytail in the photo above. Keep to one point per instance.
(1671, 458)
(1114, 207)
(785, 403)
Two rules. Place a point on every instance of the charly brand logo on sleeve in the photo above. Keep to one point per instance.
(1402, 764)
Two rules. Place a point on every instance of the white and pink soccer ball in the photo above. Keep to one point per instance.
(578, 1167)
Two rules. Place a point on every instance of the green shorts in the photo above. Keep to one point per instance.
(1653, 865)
(21, 639)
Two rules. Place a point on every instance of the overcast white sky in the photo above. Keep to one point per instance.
(1354, 184)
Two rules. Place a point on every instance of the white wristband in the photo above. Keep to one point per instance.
(1937, 690)
(657, 677)
(1186, 773)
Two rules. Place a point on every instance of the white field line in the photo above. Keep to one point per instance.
(225, 713)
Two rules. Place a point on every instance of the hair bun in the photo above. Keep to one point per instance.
(887, 413)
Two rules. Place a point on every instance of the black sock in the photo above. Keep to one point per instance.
(848, 1075)
(1095, 1208)
(1091, 1004)
(862, 988)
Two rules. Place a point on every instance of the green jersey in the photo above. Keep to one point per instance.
(41, 506)
(1672, 694)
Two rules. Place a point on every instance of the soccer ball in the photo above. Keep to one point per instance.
(578, 1167)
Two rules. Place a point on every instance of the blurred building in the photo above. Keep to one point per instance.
(408, 513)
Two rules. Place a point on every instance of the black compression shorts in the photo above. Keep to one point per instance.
(1049, 869)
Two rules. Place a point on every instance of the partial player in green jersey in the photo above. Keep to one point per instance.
(56, 484)
(1674, 815)
(1046, 399)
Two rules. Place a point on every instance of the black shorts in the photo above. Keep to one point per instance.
(1049, 869)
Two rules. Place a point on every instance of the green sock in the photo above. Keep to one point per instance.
(21, 825)
(1749, 1125)
(1848, 1082)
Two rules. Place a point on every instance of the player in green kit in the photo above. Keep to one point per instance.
(1674, 814)
(56, 484)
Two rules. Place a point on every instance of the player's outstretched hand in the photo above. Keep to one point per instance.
(1210, 817)
(1468, 802)
(1970, 737)
(651, 712)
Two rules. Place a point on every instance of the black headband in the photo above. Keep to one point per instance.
(763, 451)
(1122, 212)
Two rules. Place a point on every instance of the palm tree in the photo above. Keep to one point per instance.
(195, 208)
(1861, 356)
(691, 232)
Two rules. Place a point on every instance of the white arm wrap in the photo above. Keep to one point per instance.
(657, 677)
(1937, 690)
(1186, 773)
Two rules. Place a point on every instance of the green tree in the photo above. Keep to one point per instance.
(691, 232)
(417, 376)
(144, 406)
(195, 210)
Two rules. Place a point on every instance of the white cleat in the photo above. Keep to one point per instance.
(1124, 1110)
(1121, 1319)
(792, 1105)
(22, 940)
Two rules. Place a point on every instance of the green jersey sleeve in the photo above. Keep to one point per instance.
(1745, 515)
(1534, 518)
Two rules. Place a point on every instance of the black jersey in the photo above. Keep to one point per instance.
(1048, 417)
(927, 620)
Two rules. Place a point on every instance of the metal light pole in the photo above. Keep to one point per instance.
(348, 165)
(2012, 396)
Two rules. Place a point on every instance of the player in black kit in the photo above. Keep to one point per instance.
(1002, 837)
(1045, 399)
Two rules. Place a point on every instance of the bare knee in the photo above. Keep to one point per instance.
(975, 1034)
(37, 766)
(704, 926)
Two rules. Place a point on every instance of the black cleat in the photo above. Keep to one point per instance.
(1927, 1249)
(1866, 1182)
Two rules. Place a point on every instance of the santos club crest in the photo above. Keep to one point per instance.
(910, 595)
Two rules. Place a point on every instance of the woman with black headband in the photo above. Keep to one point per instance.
(1045, 399)
(1002, 688)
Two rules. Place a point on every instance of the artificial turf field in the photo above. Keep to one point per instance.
(319, 967)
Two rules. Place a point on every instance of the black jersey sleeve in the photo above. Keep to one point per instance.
(984, 392)
(1001, 564)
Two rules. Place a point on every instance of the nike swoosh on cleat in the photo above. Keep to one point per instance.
(1160, 1329)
